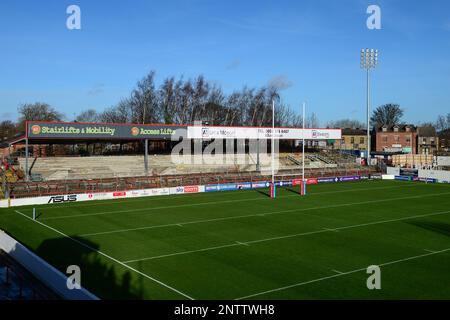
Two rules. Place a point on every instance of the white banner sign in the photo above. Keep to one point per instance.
(207, 132)
(68, 198)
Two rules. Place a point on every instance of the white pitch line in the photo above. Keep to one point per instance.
(330, 229)
(107, 256)
(337, 271)
(286, 236)
(234, 244)
(254, 215)
(339, 275)
(200, 203)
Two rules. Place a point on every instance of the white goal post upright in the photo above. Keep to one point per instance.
(273, 188)
(303, 185)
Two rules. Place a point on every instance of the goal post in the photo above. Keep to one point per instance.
(294, 181)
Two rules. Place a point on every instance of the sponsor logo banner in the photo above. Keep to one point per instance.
(191, 189)
(244, 185)
(327, 180)
(349, 178)
(211, 188)
(297, 182)
(260, 184)
(428, 180)
(226, 187)
(179, 190)
(73, 130)
(211, 132)
(62, 199)
(283, 183)
(403, 178)
(119, 194)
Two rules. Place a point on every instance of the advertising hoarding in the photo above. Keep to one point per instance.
(211, 132)
(74, 130)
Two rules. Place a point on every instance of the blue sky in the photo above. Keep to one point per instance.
(312, 44)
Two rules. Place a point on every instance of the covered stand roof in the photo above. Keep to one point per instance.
(38, 132)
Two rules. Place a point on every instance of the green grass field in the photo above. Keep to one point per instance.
(244, 245)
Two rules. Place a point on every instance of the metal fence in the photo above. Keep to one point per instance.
(44, 188)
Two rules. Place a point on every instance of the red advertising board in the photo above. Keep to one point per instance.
(297, 182)
(119, 194)
(191, 189)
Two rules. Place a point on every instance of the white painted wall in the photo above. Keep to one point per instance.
(393, 171)
(441, 175)
(443, 161)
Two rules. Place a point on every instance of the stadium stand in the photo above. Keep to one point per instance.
(100, 167)
(24, 189)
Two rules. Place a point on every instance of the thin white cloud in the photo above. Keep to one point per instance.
(234, 64)
(97, 89)
(280, 82)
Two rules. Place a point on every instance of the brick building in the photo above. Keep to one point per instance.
(427, 140)
(352, 139)
(397, 138)
(444, 140)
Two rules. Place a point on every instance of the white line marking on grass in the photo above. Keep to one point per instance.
(287, 236)
(429, 250)
(340, 275)
(337, 271)
(202, 203)
(255, 215)
(185, 252)
(331, 229)
(107, 256)
(242, 243)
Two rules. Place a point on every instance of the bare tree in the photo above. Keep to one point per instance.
(443, 122)
(346, 123)
(184, 101)
(311, 121)
(388, 114)
(167, 100)
(144, 102)
(37, 112)
(121, 113)
(89, 115)
(7, 130)
(199, 95)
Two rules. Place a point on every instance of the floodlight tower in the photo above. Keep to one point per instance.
(369, 60)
